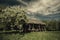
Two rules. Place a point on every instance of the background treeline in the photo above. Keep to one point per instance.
(52, 25)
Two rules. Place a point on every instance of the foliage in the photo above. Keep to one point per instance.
(52, 25)
(12, 16)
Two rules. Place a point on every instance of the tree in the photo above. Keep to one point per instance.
(12, 17)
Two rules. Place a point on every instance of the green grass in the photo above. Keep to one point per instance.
(32, 36)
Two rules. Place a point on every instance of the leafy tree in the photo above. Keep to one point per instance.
(52, 25)
(12, 16)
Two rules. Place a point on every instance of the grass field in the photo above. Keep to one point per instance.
(31, 36)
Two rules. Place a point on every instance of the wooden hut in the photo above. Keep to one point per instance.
(34, 25)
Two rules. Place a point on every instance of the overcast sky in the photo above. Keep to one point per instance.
(44, 7)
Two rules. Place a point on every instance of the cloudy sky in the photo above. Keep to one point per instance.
(44, 7)
(38, 8)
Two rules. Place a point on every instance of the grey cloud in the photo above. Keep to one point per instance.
(45, 6)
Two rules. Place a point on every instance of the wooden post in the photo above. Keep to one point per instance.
(29, 27)
(39, 27)
(33, 28)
